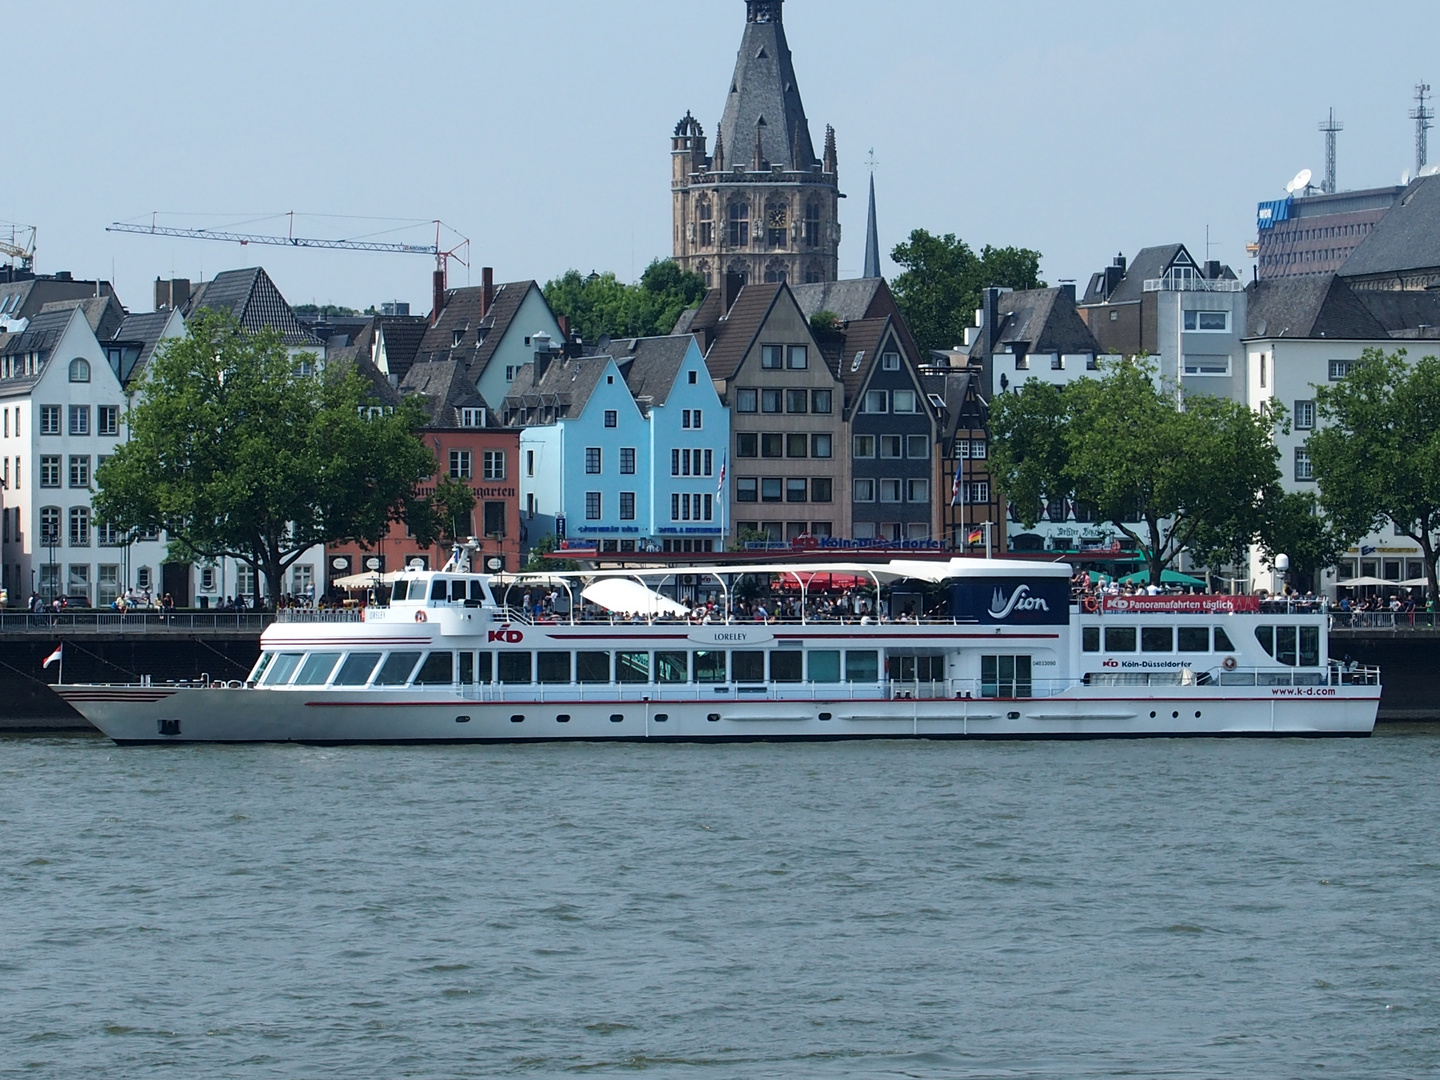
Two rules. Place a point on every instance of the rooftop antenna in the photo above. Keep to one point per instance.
(1330, 127)
(1300, 183)
(1422, 115)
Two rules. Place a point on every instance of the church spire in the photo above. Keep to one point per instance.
(764, 85)
(872, 237)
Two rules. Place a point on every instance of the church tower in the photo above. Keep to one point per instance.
(762, 205)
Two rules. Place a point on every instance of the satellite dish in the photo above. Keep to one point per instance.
(1405, 178)
(1429, 170)
(1301, 181)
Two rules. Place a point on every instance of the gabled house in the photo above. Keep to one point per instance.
(966, 496)
(623, 451)
(1030, 334)
(256, 304)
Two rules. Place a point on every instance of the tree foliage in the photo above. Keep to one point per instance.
(1377, 454)
(236, 453)
(940, 288)
(442, 516)
(1170, 477)
(1295, 527)
(602, 304)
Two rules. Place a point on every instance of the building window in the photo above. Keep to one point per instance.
(509, 373)
(864, 446)
(797, 445)
(49, 526)
(747, 444)
(812, 224)
(864, 491)
(109, 419)
(79, 419)
(903, 401)
(798, 357)
(890, 446)
(917, 491)
(1215, 322)
(820, 446)
(739, 224)
(706, 215)
(612, 418)
(243, 575)
(820, 401)
(49, 419)
(460, 466)
(1218, 364)
(691, 418)
(917, 447)
(494, 464)
(1340, 368)
(1304, 467)
(747, 489)
(627, 461)
(772, 444)
(592, 459)
(770, 489)
(529, 462)
(472, 417)
(977, 491)
(822, 489)
(747, 401)
(108, 584)
(1304, 415)
(772, 357)
(79, 470)
(592, 506)
(79, 370)
(49, 470)
(694, 378)
(627, 506)
(796, 490)
(107, 535)
(970, 448)
(889, 491)
(890, 361)
(770, 401)
(876, 401)
(796, 401)
(79, 526)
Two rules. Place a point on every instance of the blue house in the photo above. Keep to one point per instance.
(623, 450)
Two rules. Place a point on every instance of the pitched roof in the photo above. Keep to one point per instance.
(566, 384)
(342, 358)
(255, 303)
(860, 344)
(851, 299)
(1308, 306)
(735, 333)
(651, 365)
(103, 313)
(1150, 262)
(40, 336)
(446, 386)
(764, 96)
(1406, 238)
(143, 330)
(1042, 320)
(479, 338)
(1404, 314)
(962, 390)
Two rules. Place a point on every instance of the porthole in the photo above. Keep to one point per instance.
(1197, 714)
(1012, 716)
(563, 718)
(661, 717)
(1176, 714)
(714, 717)
(825, 716)
(617, 718)
(518, 718)
(1152, 714)
(462, 719)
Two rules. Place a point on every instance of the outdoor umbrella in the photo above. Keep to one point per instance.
(1167, 577)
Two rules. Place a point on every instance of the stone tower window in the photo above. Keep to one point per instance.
(775, 270)
(814, 273)
(777, 218)
(739, 224)
(703, 269)
(705, 213)
(812, 224)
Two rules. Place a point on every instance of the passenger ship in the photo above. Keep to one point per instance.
(447, 660)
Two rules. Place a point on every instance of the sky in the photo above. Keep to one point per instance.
(540, 131)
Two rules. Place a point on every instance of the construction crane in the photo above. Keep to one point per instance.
(25, 254)
(442, 256)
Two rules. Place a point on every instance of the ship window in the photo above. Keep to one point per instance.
(1157, 639)
(1309, 646)
(632, 667)
(825, 666)
(785, 667)
(1285, 650)
(672, 667)
(862, 665)
(709, 666)
(467, 668)
(260, 666)
(553, 667)
(483, 664)
(1090, 638)
(747, 666)
(397, 668)
(399, 592)
(1266, 636)
(1194, 638)
(438, 670)
(917, 668)
(281, 670)
(1006, 676)
(477, 591)
(357, 669)
(1222, 641)
(457, 590)
(592, 667)
(514, 667)
(1119, 639)
(439, 589)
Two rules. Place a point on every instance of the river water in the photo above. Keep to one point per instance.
(1151, 908)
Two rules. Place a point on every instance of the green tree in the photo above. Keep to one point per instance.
(237, 453)
(537, 563)
(602, 304)
(939, 289)
(443, 516)
(1169, 477)
(1294, 526)
(1377, 453)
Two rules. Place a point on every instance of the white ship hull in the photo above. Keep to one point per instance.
(164, 715)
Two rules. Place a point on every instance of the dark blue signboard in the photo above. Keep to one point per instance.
(1012, 601)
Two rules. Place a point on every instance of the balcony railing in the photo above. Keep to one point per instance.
(1193, 284)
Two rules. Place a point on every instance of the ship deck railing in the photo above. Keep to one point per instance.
(137, 622)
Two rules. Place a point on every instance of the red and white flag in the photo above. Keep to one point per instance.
(54, 656)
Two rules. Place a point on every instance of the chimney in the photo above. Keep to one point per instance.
(1212, 269)
(1067, 291)
(487, 290)
(437, 299)
(543, 355)
(564, 321)
(733, 284)
(171, 294)
(1114, 274)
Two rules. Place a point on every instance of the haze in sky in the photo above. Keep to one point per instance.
(541, 130)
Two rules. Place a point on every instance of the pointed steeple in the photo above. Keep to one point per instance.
(759, 144)
(872, 238)
(764, 85)
(832, 160)
(717, 163)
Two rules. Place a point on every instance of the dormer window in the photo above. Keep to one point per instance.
(79, 370)
(472, 418)
(456, 336)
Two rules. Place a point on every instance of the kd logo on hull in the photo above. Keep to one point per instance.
(509, 637)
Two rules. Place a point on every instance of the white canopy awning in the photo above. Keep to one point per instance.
(365, 581)
(618, 594)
